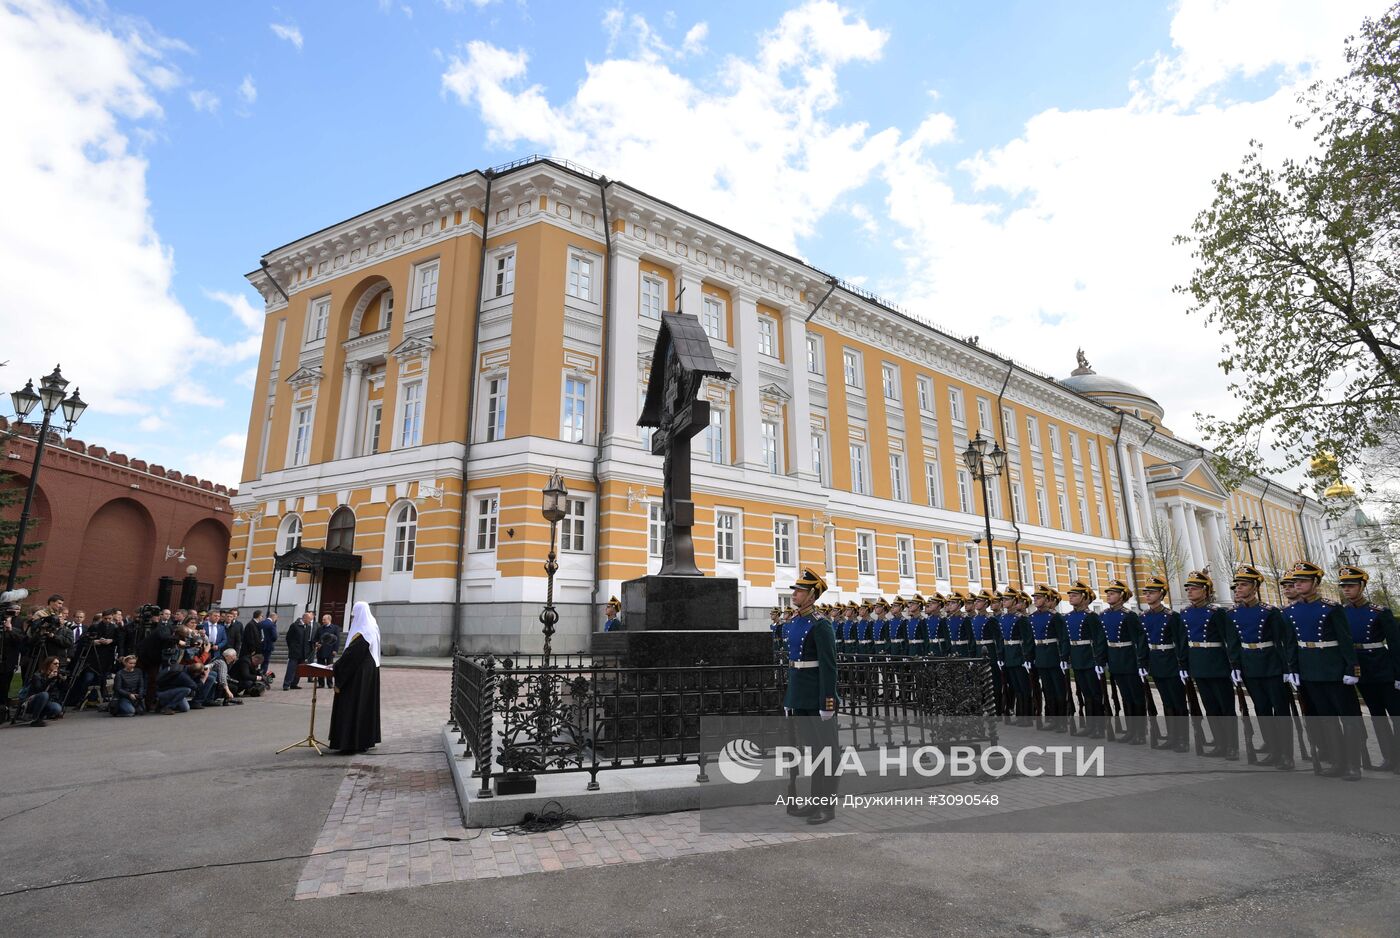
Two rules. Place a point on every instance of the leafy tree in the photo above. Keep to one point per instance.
(1297, 265)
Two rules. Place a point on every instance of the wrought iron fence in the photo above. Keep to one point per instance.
(517, 716)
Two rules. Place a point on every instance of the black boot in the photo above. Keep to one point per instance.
(822, 815)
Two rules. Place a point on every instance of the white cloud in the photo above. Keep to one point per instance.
(694, 42)
(206, 101)
(151, 423)
(83, 259)
(249, 316)
(288, 32)
(247, 90)
(772, 163)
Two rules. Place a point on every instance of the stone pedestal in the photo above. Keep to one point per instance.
(680, 603)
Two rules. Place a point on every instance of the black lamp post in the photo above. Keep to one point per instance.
(984, 465)
(554, 511)
(1247, 532)
(1346, 557)
(50, 398)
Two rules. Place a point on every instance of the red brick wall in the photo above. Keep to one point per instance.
(106, 520)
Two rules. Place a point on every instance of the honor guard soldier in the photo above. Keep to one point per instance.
(879, 618)
(1017, 651)
(1288, 586)
(613, 615)
(1051, 659)
(894, 626)
(913, 616)
(1213, 662)
(1326, 664)
(953, 618)
(1377, 640)
(1167, 660)
(865, 627)
(1265, 644)
(1127, 657)
(985, 638)
(940, 643)
(851, 628)
(811, 691)
(1088, 653)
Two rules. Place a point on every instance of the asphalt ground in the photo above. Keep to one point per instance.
(190, 825)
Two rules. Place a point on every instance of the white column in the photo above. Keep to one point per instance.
(1183, 536)
(1199, 558)
(799, 429)
(1213, 531)
(354, 390)
(1129, 485)
(1144, 493)
(749, 419)
(623, 348)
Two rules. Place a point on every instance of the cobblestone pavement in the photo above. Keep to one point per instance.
(395, 820)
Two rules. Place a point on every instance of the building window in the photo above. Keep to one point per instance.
(999, 562)
(1032, 433)
(1073, 447)
(772, 455)
(973, 557)
(1072, 568)
(767, 337)
(904, 553)
(994, 500)
(964, 492)
(374, 419)
(897, 478)
(850, 360)
(819, 456)
(504, 279)
(318, 319)
(858, 469)
(425, 287)
(487, 513)
(925, 394)
(717, 436)
(1052, 576)
(340, 531)
(386, 310)
(940, 560)
(1042, 513)
(1008, 424)
(656, 528)
(726, 537)
(889, 380)
(495, 409)
(1083, 515)
(932, 483)
(1093, 453)
(829, 550)
(575, 410)
(1093, 567)
(984, 416)
(1026, 573)
(814, 354)
(411, 416)
(782, 542)
(1112, 571)
(301, 435)
(643, 433)
(1054, 440)
(712, 318)
(405, 537)
(865, 553)
(653, 298)
(573, 530)
(580, 281)
(1064, 510)
(1018, 502)
(291, 533)
(955, 405)
(1103, 516)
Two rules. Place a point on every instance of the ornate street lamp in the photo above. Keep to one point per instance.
(50, 397)
(1346, 557)
(1247, 532)
(984, 465)
(554, 510)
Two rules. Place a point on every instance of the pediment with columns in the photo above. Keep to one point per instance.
(306, 376)
(413, 347)
(1194, 475)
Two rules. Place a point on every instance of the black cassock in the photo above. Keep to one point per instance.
(355, 712)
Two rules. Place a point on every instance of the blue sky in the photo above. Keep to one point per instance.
(1012, 170)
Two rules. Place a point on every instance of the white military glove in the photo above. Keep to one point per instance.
(1142, 673)
(1350, 680)
(1184, 675)
(1098, 670)
(1064, 665)
(1027, 665)
(1293, 680)
(1235, 676)
(827, 714)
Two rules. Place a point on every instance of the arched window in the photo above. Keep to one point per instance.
(289, 538)
(340, 534)
(405, 524)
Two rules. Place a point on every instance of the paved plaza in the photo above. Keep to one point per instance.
(190, 825)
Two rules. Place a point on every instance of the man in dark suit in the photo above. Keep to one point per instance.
(297, 635)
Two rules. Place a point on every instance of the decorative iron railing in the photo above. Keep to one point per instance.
(518, 716)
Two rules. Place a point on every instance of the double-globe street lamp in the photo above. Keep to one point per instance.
(1346, 557)
(50, 397)
(1247, 532)
(984, 465)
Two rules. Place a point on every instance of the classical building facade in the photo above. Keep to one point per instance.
(427, 364)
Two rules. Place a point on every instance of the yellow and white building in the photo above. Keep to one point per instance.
(427, 364)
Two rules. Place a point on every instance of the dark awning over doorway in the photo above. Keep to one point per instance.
(313, 560)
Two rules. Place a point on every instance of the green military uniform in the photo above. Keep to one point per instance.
(811, 695)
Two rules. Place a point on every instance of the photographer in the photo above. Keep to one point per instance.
(39, 697)
(158, 650)
(128, 690)
(176, 686)
(48, 635)
(94, 657)
(246, 678)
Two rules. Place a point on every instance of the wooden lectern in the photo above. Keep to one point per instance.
(311, 672)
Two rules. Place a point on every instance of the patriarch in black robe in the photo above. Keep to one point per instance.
(355, 712)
